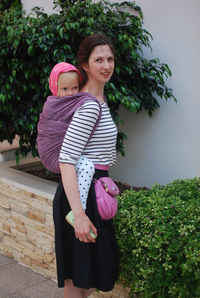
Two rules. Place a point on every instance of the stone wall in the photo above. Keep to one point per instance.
(27, 232)
(26, 223)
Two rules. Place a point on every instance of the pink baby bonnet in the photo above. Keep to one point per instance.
(56, 71)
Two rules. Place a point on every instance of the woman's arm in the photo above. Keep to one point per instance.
(82, 223)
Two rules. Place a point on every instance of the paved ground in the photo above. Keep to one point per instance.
(17, 281)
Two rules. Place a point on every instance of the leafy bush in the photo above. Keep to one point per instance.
(7, 4)
(158, 232)
(31, 45)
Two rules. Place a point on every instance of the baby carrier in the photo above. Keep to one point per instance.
(53, 123)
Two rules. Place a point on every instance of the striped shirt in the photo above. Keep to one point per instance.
(101, 148)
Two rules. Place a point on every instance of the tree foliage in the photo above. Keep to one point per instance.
(7, 4)
(31, 45)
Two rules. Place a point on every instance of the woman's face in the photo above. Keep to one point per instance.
(101, 64)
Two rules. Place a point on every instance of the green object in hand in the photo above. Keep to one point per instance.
(70, 219)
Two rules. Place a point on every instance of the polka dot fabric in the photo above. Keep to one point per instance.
(85, 171)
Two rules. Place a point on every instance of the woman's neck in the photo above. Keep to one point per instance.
(96, 91)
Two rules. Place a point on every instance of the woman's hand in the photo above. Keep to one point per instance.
(82, 224)
(82, 227)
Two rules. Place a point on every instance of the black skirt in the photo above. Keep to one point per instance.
(89, 265)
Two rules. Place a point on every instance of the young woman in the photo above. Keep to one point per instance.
(84, 263)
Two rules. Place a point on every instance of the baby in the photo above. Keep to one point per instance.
(64, 81)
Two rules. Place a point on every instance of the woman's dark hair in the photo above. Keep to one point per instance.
(85, 49)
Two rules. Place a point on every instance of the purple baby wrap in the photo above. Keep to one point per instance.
(54, 120)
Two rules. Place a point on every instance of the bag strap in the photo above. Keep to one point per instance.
(96, 124)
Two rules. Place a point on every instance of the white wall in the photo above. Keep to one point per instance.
(46, 4)
(166, 146)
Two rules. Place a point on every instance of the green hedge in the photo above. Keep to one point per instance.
(158, 232)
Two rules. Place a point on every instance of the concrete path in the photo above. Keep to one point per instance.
(17, 281)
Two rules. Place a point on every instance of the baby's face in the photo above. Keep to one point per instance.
(68, 83)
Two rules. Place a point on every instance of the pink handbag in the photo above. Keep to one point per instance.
(106, 190)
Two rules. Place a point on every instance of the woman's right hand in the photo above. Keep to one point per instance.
(82, 223)
(82, 227)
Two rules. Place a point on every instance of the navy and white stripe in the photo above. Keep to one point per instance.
(102, 146)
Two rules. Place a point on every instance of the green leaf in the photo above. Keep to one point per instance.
(30, 50)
